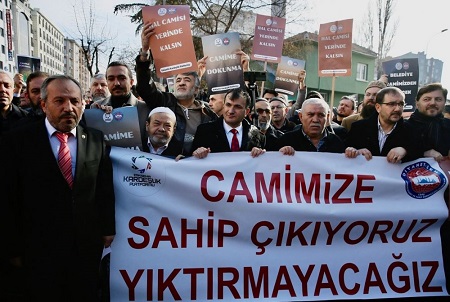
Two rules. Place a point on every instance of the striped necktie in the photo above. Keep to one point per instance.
(64, 159)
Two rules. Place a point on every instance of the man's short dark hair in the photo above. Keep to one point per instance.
(388, 90)
(120, 63)
(345, 97)
(47, 81)
(271, 91)
(237, 93)
(35, 75)
(430, 88)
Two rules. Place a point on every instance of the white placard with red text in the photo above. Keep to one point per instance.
(314, 226)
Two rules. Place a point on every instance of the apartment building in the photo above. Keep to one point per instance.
(26, 32)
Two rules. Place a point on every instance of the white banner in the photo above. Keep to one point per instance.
(314, 226)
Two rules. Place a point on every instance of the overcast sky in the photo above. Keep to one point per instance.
(419, 23)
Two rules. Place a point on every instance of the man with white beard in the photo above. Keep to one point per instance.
(160, 126)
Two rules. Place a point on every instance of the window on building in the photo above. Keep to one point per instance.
(3, 49)
(1, 63)
(361, 72)
(2, 31)
(1, 15)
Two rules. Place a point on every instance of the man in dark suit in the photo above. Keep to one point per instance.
(383, 133)
(160, 128)
(57, 210)
(220, 135)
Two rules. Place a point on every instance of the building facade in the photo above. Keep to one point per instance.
(28, 34)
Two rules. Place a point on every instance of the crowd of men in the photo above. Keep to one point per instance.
(58, 200)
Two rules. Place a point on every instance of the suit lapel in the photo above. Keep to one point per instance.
(222, 135)
(82, 138)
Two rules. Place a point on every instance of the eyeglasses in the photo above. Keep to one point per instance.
(277, 107)
(394, 104)
(261, 111)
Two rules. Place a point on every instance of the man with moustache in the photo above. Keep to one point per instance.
(345, 108)
(383, 133)
(312, 135)
(368, 104)
(99, 87)
(33, 92)
(160, 127)
(266, 135)
(430, 133)
(120, 80)
(427, 126)
(279, 108)
(189, 112)
(57, 212)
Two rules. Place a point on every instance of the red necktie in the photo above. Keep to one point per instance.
(64, 159)
(234, 141)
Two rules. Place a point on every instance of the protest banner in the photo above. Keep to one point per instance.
(232, 227)
(120, 127)
(27, 65)
(335, 48)
(404, 74)
(223, 68)
(171, 45)
(9, 34)
(268, 39)
(286, 79)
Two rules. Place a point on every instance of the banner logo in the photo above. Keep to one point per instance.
(140, 176)
(422, 180)
(118, 115)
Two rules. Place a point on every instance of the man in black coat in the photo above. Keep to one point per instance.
(428, 128)
(430, 133)
(57, 210)
(384, 132)
(219, 135)
(312, 136)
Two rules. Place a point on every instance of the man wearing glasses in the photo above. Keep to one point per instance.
(383, 133)
(279, 108)
(268, 133)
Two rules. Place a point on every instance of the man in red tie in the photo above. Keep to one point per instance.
(58, 209)
(231, 132)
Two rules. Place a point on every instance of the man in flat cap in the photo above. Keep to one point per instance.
(279, 108)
